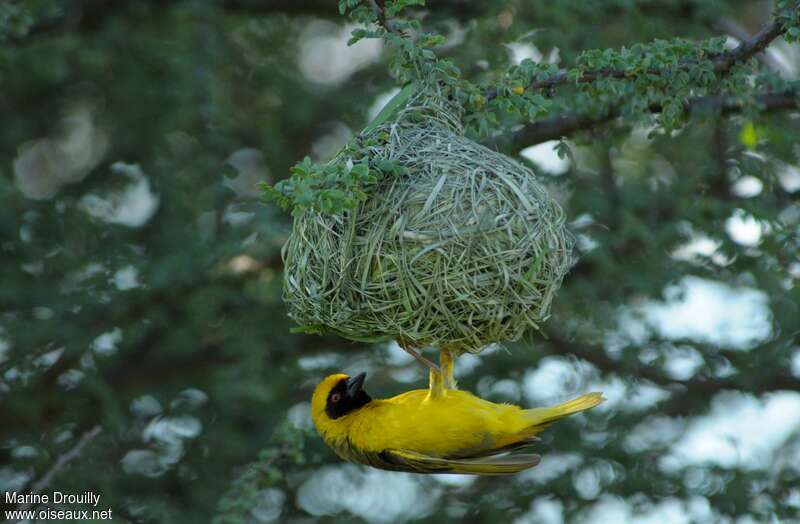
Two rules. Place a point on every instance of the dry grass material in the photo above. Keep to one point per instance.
(462, 249)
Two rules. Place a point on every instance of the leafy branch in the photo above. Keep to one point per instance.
(380, 14)
(246, 491)
(671, 80)
(722, 62)
(328, 188)
(568, 123)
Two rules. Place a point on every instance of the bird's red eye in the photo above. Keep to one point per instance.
(336, 397)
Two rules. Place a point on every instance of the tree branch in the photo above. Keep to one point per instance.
(722, 63)
(693, 387)
(61, 462)
(748, 48)
(568, 123)
(736, 30)
(380, 12)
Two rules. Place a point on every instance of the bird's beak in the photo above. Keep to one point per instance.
(354, 384)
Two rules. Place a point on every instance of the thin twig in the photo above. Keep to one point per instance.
(62, 462)
(421, 359)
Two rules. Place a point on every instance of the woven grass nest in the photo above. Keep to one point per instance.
(462, 249)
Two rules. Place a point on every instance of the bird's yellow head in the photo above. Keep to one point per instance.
(336, 396)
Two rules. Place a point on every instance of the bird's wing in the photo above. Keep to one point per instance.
(516, 446)
(405, 460)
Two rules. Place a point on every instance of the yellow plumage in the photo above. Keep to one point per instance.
(449, 431)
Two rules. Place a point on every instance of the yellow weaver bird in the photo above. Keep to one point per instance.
(436, 430)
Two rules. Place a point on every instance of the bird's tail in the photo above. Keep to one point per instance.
(539, 418)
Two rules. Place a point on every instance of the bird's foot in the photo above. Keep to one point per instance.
(443, 380)
(447, 361)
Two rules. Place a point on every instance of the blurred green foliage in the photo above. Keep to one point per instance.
(140, 275)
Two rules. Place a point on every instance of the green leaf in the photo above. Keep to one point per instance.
(356, 35)
(398, 101)
(312, 329)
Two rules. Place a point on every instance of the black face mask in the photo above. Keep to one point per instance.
(346, 396)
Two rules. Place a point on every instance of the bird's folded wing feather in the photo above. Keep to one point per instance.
(405, 460)
(516, 446)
